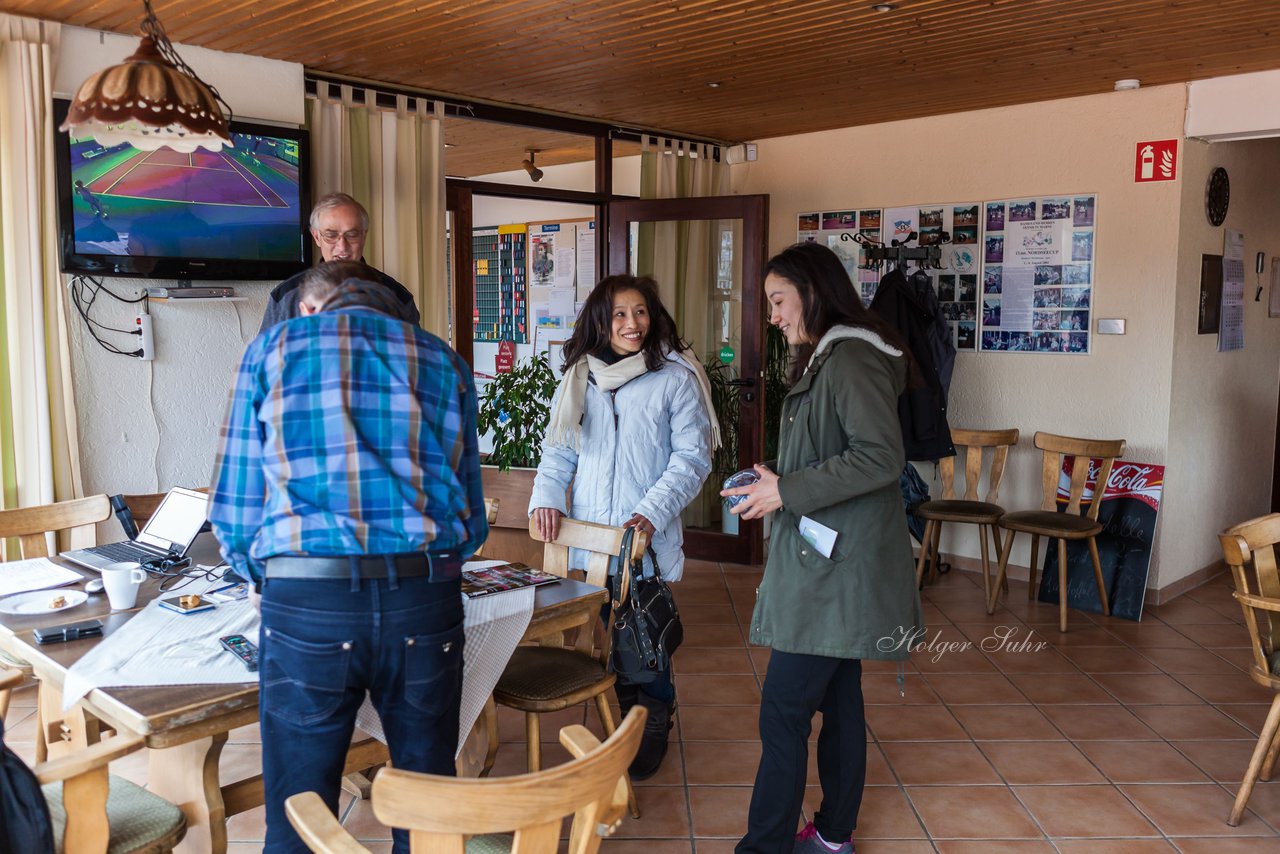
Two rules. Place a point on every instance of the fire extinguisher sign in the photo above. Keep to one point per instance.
(1156, 161)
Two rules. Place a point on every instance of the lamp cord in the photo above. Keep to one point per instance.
(152, 27)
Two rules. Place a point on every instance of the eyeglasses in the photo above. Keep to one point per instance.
(351, 236)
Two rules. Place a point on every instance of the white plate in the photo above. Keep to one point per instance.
(37, 601)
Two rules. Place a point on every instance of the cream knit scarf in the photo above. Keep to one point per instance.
(565, 428)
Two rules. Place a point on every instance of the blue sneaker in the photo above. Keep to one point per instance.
(809, 842)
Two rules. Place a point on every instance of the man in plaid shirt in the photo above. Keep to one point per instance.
(348, 490)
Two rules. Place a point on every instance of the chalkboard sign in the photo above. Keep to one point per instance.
(1130, 504)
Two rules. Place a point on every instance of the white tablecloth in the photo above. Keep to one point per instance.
(163, 647)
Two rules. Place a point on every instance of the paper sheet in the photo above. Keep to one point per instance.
(163, 647)
(37, 573)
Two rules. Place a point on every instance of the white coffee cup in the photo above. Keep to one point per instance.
(121, 581)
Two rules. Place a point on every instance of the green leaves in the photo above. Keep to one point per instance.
(516, 407)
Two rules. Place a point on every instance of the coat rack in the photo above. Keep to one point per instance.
(898, 253)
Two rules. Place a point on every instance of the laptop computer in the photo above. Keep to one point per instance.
(167, 534)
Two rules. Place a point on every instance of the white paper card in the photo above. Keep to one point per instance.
(37, 573)
(818, 535)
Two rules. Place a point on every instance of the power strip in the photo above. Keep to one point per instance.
(190, 293)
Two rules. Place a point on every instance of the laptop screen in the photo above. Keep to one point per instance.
(176, 521)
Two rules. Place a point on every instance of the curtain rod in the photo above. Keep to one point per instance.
(385, 97)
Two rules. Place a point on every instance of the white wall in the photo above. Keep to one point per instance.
(1223, 418)
(1078, 145)
(147, 426)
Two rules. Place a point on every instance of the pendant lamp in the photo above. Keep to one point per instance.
(151, 100)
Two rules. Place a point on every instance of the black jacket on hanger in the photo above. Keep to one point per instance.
(912, 308)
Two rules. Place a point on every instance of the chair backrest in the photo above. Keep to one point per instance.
(602, 541)
(975, 443)
(1055, 448)
(143, 507)
(77, 517)
(440, 812)
(490, 516)
(1250, 550)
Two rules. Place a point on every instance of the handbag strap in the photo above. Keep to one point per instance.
(622, 578)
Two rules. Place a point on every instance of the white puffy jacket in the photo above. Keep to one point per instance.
(645, 448)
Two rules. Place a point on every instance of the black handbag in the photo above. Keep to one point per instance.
(646, 622)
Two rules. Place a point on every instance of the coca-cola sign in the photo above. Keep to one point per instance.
(1142, 481)
(1128, 519)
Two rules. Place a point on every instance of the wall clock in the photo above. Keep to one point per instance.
(1217, 196)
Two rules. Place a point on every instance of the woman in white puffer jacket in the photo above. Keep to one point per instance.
(632, 429)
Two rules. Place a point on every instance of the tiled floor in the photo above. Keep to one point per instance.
(1115, 737)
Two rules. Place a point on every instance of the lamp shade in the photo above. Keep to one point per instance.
(149, 103)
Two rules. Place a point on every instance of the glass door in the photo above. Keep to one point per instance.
(707, 255)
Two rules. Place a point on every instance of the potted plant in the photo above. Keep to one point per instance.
(515, 409)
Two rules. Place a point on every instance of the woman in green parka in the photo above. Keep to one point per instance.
(823, 607)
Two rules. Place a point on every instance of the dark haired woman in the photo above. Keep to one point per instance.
(633, 429)
(825, 604)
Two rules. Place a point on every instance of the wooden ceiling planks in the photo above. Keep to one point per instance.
(783, 66)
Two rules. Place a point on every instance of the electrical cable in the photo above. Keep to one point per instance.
(84, 291)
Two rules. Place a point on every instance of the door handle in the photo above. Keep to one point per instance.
(744, 387)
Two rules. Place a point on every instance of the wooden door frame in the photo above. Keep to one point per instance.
(753, 211)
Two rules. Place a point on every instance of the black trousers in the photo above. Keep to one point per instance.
(795, 687)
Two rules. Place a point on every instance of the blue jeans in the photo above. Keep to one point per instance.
(324, 643)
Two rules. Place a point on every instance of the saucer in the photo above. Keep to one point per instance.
(37, 601)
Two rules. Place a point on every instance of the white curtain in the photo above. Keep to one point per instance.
(392, 162)
(39, 441)
(681, 255)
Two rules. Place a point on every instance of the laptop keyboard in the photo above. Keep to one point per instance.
(123, 551)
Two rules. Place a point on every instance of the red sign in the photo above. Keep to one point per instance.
(506, 359)
(1156, 161)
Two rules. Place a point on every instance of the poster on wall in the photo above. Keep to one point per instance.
(1038, 273)
(956, 228)
(836, 230)
(558, 258)
(1130, 504)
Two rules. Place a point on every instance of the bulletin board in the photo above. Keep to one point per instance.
(835, 229)
(956, 282)
(561, 272)
(1038, 273)
(498, 257)
(1018, 274)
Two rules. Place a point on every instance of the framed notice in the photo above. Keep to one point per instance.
(1038, 274)
(836, 230)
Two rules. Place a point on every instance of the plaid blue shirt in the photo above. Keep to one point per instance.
(349, 432)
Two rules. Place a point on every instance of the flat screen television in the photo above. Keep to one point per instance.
(241, 213)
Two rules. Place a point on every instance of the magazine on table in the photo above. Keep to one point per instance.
(508, 576)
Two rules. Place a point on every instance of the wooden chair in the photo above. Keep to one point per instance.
(143, 506)
(970, 509)
(1250, 550)
(558, 673)
(94, 812)
(491, 516)
(442, 812)
(1071, 525)
(31, 525)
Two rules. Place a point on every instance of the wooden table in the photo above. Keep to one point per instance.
(187, 725)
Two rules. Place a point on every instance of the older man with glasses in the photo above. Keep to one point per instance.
(339, 226)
